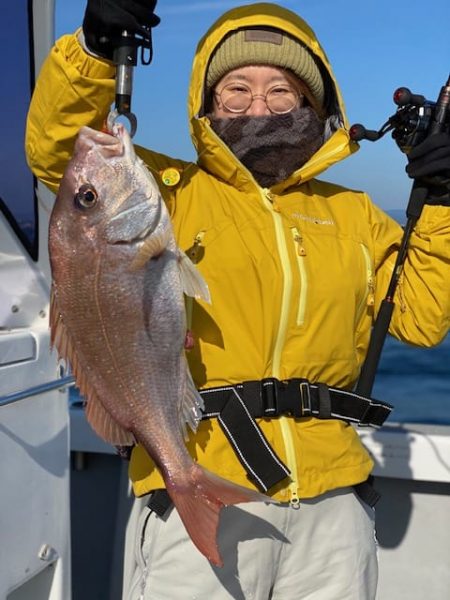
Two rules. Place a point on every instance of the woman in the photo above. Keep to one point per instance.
(297, 268)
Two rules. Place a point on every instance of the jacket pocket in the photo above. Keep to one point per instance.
(369, 298)
(300, 254)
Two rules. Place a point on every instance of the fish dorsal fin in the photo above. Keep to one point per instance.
(192, 405)
(97, 416)
(191, 279)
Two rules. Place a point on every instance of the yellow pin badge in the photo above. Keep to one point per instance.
(170, 176)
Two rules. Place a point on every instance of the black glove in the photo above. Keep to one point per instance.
(104, 21)
(429, 163)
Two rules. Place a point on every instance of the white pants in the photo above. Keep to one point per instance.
(325, 550)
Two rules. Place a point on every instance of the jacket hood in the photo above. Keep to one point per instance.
(213, 154)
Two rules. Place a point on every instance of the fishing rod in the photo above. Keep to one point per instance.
(125, 57)
(415, 119)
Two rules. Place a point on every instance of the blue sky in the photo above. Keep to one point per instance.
(374, 47)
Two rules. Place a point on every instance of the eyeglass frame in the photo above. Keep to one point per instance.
(300, 97)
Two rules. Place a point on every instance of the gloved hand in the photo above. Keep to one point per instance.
(104, 21)
(429, 163)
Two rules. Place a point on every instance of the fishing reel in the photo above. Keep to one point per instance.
(415, 119)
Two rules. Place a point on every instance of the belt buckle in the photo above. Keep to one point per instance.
(305, 397)
(286, 397)
(275, 396)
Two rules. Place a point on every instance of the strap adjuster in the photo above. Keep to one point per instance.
(269, 396)
(305, 397)
(291, 397)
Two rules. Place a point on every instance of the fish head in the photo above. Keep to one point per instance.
(107, 195)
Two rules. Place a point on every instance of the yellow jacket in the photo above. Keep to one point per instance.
(296, 273)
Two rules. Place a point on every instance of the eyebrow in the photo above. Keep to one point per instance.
(243, 77)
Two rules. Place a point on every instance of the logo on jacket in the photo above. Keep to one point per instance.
(315, 220)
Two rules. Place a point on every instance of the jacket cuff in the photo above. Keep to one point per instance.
(83, 60)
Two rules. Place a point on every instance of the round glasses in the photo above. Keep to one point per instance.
(279, 99)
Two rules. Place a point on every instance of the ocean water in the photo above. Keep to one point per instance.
(416, 381)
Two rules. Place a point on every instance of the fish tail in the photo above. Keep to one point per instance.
(199, 505)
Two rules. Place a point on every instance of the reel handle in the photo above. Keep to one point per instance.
(358, 132)
(403, 96)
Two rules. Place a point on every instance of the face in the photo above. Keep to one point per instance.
(261, 84)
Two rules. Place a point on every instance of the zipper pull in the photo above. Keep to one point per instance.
(299, 242)
(196, 251)
(269, 196)
(371, 294)
(294, 502)
(400, 294)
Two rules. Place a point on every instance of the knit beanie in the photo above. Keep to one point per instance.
(266, 46)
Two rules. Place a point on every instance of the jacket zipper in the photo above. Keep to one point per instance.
(300, 254)
(369, 299)
(285, 427)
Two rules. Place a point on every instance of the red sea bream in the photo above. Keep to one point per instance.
(118, 318)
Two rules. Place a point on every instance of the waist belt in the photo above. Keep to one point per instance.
(237, 406)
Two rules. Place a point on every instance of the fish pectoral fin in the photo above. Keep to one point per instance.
(192, 405)
(153, 246)
(103, 424)
(191, 279)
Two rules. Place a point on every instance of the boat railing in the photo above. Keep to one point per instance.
(61, 383)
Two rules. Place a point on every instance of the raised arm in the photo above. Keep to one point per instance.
(422, 313)
(76, 83)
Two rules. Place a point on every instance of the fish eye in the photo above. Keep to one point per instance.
(86, 197)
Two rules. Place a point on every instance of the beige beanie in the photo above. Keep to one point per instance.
(266, 47)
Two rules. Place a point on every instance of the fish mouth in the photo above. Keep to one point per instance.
(104, 144)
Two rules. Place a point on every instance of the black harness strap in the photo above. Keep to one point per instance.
(297, 398)
(263, 466)
(324, 400)
(367, 492)
(237, 406)
(160, 502)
